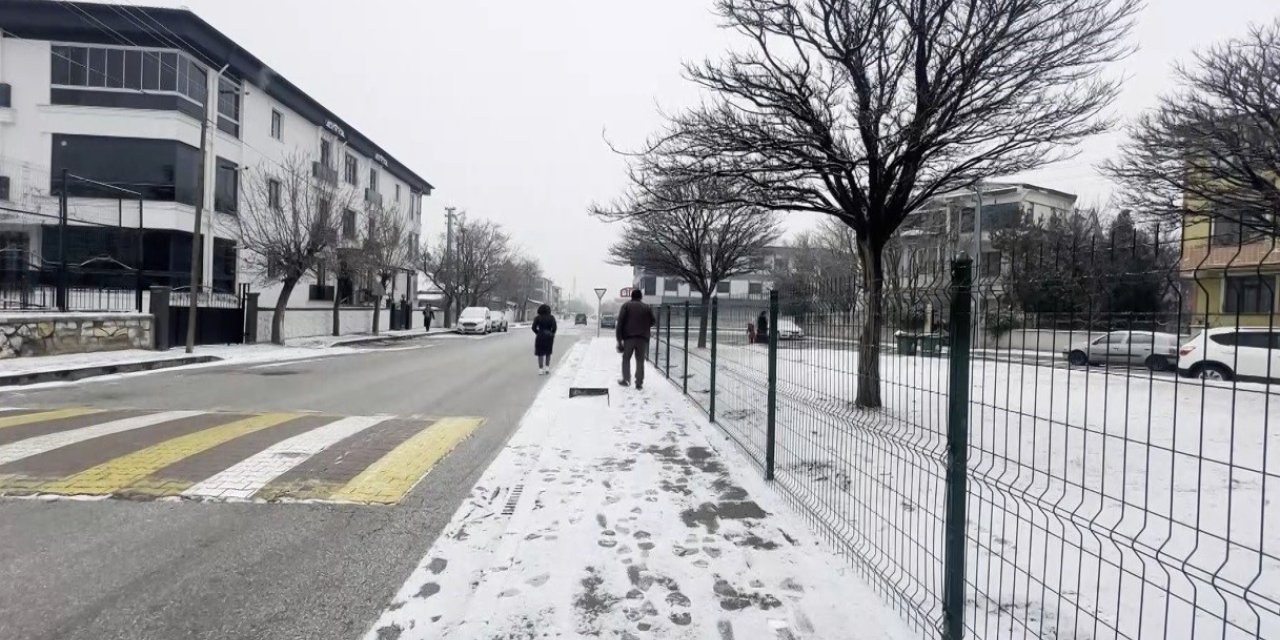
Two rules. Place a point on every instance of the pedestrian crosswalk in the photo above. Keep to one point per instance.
(217, 456)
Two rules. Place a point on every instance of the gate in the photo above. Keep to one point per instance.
(220, 316)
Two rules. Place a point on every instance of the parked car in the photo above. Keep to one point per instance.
(608, 321)
(1225, 353)
(498, 321)
(474, 320)
(1156, 351)
(581, 318)
(789, 330)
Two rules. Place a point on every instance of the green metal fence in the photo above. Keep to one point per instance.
(1001, 488)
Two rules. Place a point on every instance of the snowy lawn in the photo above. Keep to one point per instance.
(627, 517)
(1101, 504)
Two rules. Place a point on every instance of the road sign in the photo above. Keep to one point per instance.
(626, 292)
(600, 293)
(599, 297)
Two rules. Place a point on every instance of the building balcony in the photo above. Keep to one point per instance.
(373, 197)
(324, 173)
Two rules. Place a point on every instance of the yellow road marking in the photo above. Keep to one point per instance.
(118, 473)
(388, 479)
(41, 416)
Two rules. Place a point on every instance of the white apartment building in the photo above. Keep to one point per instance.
(660, 288)
(115, 94)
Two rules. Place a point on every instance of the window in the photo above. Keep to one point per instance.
(1227, 230)
(397, 193)
(351, 170)
(141, 69)
(229, 106)
(373, 178)
(324, 208)
(670, 284)
(755, 288)
(277, 132)
(1254, 339)
(273, 194)
(226, 188)
(1141, 338)
(650, 284)
(326, 153)
(991, 264)
(722, 287)
(1249, 294)
(163, 170)
(348, 223)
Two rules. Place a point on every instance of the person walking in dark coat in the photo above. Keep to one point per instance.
(544, 330)
(635, 321)
(427, 316)
(762, 328)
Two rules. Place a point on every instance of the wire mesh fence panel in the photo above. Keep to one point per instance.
(1123, 411)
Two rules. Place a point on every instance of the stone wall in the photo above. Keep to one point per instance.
(43, 334)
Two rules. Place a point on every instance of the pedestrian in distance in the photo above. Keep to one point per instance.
(762, 328)
(427, 316)
(544, 331)
(634, 323)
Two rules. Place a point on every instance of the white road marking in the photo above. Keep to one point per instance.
(286, 363)
(245, 478)
(49, 442)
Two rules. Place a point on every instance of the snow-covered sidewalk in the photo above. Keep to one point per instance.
(627, 517)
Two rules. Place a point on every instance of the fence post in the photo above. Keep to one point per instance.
(715, 317)
(684, 375)
(771, 432)
(957, 449)
(251, 317)
(668, 364)
(160, 318)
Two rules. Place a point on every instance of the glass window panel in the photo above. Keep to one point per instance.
(97, 67)
(60, 65)
(79, 73)
(198, 83)
(228, 99)
(115, 68)
(150, 71)
(184, 74)
(169, 72)
(133, 69)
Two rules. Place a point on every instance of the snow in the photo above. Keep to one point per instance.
(1102, 503)
(627, 516)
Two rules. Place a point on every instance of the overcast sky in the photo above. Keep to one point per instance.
(503, 105)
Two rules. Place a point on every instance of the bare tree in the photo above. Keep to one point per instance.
(519, 277)
(387, 250)
(468, 274)
(1213, 146)
(864, 110)
(288, 224)
(690, 230)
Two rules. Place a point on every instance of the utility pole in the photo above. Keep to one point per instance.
(448, 260)
(197, 235)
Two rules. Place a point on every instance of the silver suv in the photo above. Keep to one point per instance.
(1152, 349)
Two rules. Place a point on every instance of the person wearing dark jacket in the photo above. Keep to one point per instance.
(635, 320)
(762, 328)
(544, 330)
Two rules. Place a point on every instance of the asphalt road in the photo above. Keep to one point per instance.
(108, 569)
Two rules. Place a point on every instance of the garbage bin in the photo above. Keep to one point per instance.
(931, 345)
(906, 344)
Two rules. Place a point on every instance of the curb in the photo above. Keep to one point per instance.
(67, 375)
(379, 338)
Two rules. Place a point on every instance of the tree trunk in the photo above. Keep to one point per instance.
(704, 311)
(337, 298)
(871, 255)
(277, 319)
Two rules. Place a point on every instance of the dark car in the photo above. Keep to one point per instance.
(581, 318)
(608, 321)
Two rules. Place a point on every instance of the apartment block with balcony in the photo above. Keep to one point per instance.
(661, 288)
(1230, 273)
(115, 94)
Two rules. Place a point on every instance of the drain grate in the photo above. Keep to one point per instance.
(510, 507)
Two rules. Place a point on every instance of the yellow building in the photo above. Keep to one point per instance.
(1230, 274)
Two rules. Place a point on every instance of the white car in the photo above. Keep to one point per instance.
(1155, 350)
(1225, 353)
(474, 320)
(789, 330)
(498, 321)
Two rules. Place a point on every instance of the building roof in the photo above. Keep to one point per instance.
(159, 27)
